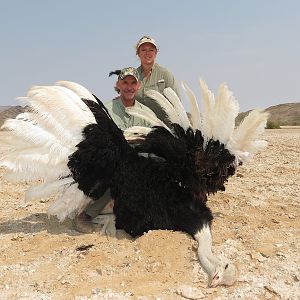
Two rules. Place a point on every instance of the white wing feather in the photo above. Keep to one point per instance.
(41, 141)
(178, 108)
(69, 204)
(164, 103)
(78, 89)
(47, 189)
(194, 108)
(146, 115)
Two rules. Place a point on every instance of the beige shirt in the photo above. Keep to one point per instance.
(122, 119)
(159, 79)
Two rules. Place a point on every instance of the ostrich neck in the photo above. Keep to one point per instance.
(208, 261)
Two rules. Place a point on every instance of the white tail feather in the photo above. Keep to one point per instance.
(208, 100)
(69, 204)
(223, 115)
(218, 122)
(245, 137)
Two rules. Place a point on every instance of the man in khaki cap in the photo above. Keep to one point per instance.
(127, 85)
(152, 75)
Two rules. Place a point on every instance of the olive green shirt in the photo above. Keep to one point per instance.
(159, 79)
(122, 119)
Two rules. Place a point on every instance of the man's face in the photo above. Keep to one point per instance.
(147, 53)
(128, 86)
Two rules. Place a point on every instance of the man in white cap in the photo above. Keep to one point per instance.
(152, 75)
(127, 85)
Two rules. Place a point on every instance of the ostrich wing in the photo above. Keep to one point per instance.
(68, 144)
(98, 154)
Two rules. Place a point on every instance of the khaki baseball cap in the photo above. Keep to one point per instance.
(129, 72)
(145, 39)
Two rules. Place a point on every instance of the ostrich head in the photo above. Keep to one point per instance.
(224, 275)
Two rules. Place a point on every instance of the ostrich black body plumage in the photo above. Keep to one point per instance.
(165, 191)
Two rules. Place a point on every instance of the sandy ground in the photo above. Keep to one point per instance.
(256, 225)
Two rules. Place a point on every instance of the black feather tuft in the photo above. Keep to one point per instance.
(116, 72)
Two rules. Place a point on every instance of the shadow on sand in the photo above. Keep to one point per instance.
(35, 223)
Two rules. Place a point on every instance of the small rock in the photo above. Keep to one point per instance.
(96, 291)
(190, 292)
(275, 221)
(99, 271)
(44, 200)
(281, 254)
(257, 256)
(296, 278)
(24, 205)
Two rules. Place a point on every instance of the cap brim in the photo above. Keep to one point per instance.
(146, 43)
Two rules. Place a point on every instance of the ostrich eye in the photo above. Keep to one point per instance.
(226, 266)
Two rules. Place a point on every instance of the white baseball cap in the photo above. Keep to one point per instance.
(145, 39)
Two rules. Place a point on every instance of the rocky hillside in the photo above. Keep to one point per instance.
(2, 108)
(9, 112)
(287, 114)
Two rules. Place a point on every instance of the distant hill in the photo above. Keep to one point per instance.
(285, 114)
(10, 112)
(282, 114)
(2, 108)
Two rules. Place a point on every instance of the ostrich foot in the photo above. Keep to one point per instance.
(107, 223)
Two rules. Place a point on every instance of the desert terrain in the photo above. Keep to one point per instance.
(256, 225)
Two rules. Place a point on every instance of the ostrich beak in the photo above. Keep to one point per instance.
(215, 280)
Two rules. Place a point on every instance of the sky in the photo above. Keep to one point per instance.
(253, 46)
